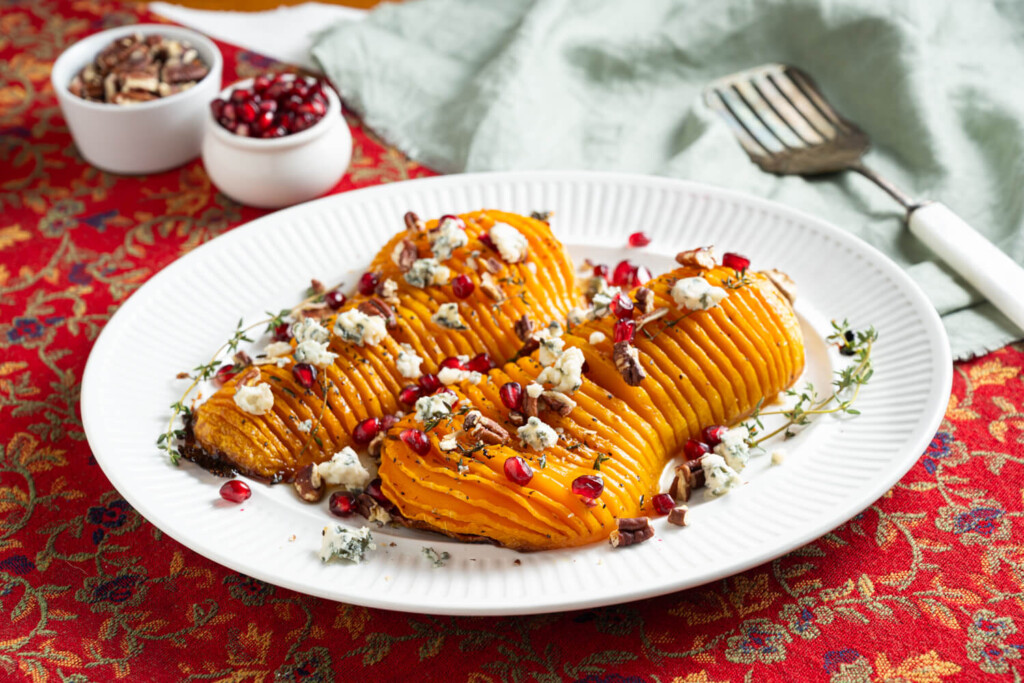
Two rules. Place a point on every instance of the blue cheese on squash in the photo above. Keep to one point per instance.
(447, 238)
(361, 329)
(447, 315)
(427, 271)
(697, 294)
(537, 435)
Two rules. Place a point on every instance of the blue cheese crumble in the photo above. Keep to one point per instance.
(551, 349)
(734, 449)
(602, 304)
(309, 329)
(510, 243)
(597, 337)
(315, 353)
(537, 435)
(344, 469)
(346, 544)
(358, 328)
(408, 362)
(447, 315)
(719, 477)
(447, 238)
(255, 400)
(433, 407)
(427, 271)
(566, 374)
(452, 375)
(697, 294)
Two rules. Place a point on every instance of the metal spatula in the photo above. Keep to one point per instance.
(787, 127)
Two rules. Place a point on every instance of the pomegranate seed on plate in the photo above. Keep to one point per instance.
(622, 306)
(694, 449)
(625, 331)
(224, 373)
(410, 394)
(282, 332)
(335, 299)
(235, 491)
(622, 276)
(588, 485)
(305, 374)
(639, 239)
(712, 435)
(641, 276)
(663, 503)
(462, 286)
(518, 471)
(366, 430)
(368, 283)
(511, 394)
(735, 261)
(417, 440)
(342, 504)
(429, 384)
(451, 362)
(481, 362)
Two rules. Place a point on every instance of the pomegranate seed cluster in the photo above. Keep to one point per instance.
(275, 106)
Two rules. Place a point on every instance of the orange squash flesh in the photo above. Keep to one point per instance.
(705, 367)
(364, 381)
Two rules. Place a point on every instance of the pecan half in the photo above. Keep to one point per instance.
(250, 376)
(490, 287)
(413, 222)
(689, 476)
(184, 72)
(644, 299)
(490, 432)
(531, 405)
(516, 418)
(317, 286)
(471, 419)
(630, 531)
(376, 445)
(558, 402)
(378, 307)
(651, 317)
(406, 256)
(373, 511)
(524, 328)
(242, 359)
(308, 484)
(492, 265)
(783, 283)
(627, 362)
(387, 289)
(704, 257)
(318, 311)
(680, 516)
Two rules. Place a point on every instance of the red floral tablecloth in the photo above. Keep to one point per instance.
(926, 585)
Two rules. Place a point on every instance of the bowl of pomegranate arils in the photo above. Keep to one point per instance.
(276, 140)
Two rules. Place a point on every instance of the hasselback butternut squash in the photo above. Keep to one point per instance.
(364, 380)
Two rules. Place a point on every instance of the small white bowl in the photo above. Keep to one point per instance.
(271, 173)
(140, 138)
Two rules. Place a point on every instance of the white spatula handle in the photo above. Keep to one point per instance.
(977, 260)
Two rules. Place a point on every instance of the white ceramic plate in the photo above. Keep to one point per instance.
(833, 470)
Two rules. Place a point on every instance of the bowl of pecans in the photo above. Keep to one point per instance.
(135, 98)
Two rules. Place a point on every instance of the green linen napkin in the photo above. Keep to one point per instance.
(465, 85)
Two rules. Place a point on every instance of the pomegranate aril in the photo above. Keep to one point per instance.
(366, 430)
(368, 283)
(481, 362)
(224, 373)
(641, 276)
(410, 394)
(712, 436)
(374, 491)
(387, 422)
(282, 332)
(305, 374)
(247, 112)
(601, 270)
(268, 105)
(265, 120)
(451, 217)
(429, 384)
(241, 95)
(487, 241)
(462, 286)
(335, 299)
(625, 331)
(735, 261)
(451, 363)
(518, 471)
(694, 449)
(511, 394)
(639, 239)
(622, 306)
(588, 485)
(342, 504)
(260, 84)
(663, 503)
(217, 108)
(235, 491)
(417, 440)
(622, 276)
(275, 132)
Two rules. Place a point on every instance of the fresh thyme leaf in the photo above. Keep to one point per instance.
(601, 457)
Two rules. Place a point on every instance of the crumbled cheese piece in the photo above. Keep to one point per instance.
(697, 294)
(305, 426)
(597, 337)
(388, 289)
(344, 469)
(255, 400)
(596, 286)
(550, 350)
(534, 390)
(448, 316)
(511, 243)
(437, 558)
(408, 362)
(578, 316)
(427, 271)
(778, 456)
(537, 435)
(358, 328)
(432, 407)
(449, 442)
(309, 329)
(602, 305)
(734, 448)
(566, 375)
(719, 477)
(453, 375)
(379, 514)
(446, 238)
(275, 349)
(463, 467)
(555, 329)
(314, 353)
(341, 542)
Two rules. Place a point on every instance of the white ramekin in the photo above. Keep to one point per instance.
(139, 138)
(271, 173)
